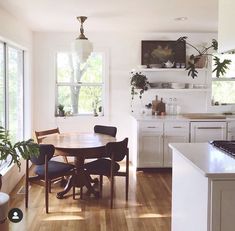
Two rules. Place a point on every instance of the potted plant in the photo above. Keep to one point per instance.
(61, 110)
(194, 60)
(100, 112)
(138, 82)
(24, 149)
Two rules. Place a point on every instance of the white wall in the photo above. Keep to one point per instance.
(16, 33)
(124, 50)
(226, 31)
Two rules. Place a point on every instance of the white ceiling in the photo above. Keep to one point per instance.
(130, 15)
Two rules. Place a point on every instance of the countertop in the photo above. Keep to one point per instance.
(177, 118)
(210, 161)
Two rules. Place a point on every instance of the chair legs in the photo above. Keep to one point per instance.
(27, 184)
(101, 184)
(47, 195)
(112, 191)
(127, 186)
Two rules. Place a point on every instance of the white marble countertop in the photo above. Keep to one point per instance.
(175, 118)
(210, 161)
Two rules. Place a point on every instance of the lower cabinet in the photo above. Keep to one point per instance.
(207, 131)
(231, 130)
(153, 150)
(223, 205)
(154, 136)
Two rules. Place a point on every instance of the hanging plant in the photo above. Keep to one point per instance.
(139, 84)
(193, 62)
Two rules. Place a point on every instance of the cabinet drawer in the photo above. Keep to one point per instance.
(176, 127)
(151, 126)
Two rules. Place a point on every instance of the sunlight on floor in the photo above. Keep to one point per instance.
(64, 218)
(148, 215)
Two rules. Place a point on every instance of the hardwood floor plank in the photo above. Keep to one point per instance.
(148, 207)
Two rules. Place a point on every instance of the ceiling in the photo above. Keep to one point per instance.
(129, 15)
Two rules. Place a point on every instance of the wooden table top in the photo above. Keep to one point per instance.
(78, 140)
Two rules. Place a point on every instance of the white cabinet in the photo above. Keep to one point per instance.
(174, 132)
(206, 131)
(231, 130)
(150, 145)
(154, 137)
(223, 205)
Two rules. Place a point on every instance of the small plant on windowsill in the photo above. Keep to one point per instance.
(61, 111)
(195, 60)
(100, 111)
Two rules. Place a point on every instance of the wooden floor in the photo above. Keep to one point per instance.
(148, 208)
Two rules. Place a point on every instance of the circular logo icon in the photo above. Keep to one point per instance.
(15, 215)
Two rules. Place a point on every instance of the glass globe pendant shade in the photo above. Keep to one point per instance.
(81, 47)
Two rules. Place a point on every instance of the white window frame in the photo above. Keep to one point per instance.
(105, 82)
(5, 123)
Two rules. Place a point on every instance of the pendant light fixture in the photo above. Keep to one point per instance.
(82, 47)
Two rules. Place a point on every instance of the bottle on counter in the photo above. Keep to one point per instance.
(169, 107)
(174, 106)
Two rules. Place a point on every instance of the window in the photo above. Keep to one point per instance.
(11, 91)
(80, 88)
(223, 88)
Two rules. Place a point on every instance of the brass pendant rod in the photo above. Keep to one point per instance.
(82, 19)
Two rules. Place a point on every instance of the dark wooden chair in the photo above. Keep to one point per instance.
(106, 130)
(42, 134)
(116, 151)
(46, 170)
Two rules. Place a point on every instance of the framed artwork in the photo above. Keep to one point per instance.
(154, 53)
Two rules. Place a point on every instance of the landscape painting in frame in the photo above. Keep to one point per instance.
(156, 53)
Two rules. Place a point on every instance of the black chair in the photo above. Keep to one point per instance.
(106, 130)
(46, 169)
(116, 151)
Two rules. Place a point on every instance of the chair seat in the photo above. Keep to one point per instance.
(101, 167)
(54, 168)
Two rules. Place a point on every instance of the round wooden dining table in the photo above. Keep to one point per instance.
(81, 146)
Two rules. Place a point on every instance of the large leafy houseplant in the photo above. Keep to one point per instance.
(16, 151)
(139, 84)
(220, 66)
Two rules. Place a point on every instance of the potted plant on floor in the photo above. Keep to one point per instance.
(198, 60)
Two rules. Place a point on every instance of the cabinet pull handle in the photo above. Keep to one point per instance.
(209, 127)
(177, 127)
(151, 127)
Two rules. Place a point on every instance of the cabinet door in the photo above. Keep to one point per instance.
(206, 131)
(175, 132)
(223, 206)
(231, 130)
(172, 138)
(150, 150)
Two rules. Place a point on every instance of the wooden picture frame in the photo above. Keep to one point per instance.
(154, 53)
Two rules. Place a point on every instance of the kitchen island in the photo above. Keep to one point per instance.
(203, 188)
